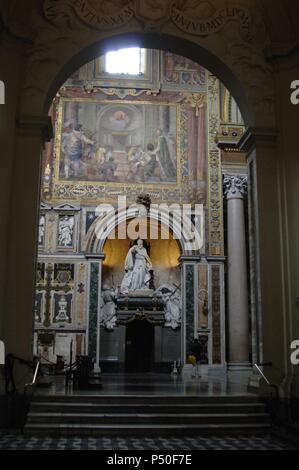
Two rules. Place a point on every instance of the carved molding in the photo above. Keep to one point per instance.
(253, 137)
(124, 92)
(196, 100)
(202, 19)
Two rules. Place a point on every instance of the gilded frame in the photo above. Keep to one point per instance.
(86, 190)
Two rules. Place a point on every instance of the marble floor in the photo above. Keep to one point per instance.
(216, 384)
(193, 443)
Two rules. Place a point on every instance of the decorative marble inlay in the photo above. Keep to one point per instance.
(215, 212)
(93, 309)
(216, 319)
(190, 305)
(203, 307)
(80, 294)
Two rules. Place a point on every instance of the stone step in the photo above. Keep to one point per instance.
(78, 407)
(152, 418)
(134, 414)
(144, 430)
(144, 399)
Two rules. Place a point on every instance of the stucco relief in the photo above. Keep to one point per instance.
(61, 34)
(103, 14)
(193, 17)
(248, 62)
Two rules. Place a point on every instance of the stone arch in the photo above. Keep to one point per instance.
(102, 227)
(233, 51)
(175, 44)
(56, 52)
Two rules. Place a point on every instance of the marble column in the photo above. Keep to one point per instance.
(93, 307)
(238, 322)
(189, 304)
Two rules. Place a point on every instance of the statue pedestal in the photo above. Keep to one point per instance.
(138, 302)
(149, 307)
(141, 293)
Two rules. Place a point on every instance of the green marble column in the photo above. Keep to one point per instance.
(93, 309)
(189, 305)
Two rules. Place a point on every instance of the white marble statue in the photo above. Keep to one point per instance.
(108, 308)
(172, 304)
(41, 230)
(65, 231)
(137, 269)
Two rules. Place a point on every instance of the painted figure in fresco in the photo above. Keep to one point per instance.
(172, 304)
(72, 147)
(107, 169)
(108, 308)
(137, 160)
(65, 231)
(137, 267)
(152, 168)
(133, 161)
(119, 120)
(164, 157)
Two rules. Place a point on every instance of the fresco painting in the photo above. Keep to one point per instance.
(118, 142)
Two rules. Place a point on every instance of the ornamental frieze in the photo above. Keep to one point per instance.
(99, 15)
(200, 20)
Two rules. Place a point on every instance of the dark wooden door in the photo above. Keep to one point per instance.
(139, 346)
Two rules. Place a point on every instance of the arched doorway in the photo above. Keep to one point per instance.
(198, 158)
(33, 143)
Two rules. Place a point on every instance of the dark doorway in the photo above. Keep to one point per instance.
(139, 346)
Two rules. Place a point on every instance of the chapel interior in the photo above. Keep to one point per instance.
(128, 127)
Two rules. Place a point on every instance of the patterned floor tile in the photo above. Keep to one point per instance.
(12, 442)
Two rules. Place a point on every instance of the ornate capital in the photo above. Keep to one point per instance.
(235, 186)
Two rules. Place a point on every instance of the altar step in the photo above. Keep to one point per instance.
(147, 415)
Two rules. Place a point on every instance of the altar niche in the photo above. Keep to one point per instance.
(140, 305)
(185, 299)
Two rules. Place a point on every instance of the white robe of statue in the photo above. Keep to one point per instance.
(108, 308)
(137, 267)
(172, 304)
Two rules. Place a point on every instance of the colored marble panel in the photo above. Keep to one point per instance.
(216, 310)
(93, 309)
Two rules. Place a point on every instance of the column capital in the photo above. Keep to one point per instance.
(235, 186)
